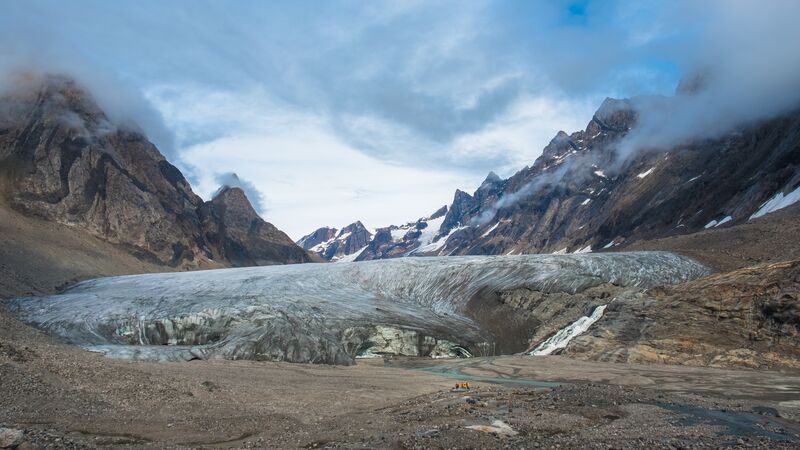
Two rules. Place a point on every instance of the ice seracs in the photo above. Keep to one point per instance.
(323, 313)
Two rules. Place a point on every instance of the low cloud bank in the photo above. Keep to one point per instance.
(742, 69)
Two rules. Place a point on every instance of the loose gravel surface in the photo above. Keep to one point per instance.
(60, 396)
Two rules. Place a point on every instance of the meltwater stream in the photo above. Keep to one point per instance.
(326, 313)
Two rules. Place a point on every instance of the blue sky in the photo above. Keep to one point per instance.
(348, 110)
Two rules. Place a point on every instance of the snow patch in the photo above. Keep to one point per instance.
(644, 174)
(586, 202)
(714, 223)
(778, 201)
(565, 335)
(497, 427)
(435, 246)
(587, 249)
(600, 173)
(563, 251)
(398, 234)
(352, 256)
(429, 233)
(490, 230)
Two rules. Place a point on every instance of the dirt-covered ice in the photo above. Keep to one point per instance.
(327, 313)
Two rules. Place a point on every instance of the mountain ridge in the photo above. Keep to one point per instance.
(582, 194)
(63, 160)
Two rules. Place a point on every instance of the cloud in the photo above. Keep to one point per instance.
(231, 180)
(748, 68)
(430, 93)
(311, 175)
(429, 74)
(36, 50)
(544, 180)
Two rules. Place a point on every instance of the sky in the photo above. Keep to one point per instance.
(336, 111)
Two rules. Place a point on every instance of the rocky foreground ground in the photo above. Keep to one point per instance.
(57, 396)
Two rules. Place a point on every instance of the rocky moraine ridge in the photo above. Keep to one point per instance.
(580, 195)
(63, 160)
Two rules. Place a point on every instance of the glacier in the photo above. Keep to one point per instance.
(322, 313)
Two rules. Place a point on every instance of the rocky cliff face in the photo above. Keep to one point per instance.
(319, 236)
(421, 236)
(338, 245)
(582, 195)
(241, 236)
(578, 196)
(63, 160)
(747, 317)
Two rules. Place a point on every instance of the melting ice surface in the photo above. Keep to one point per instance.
(327, 313)
(562, 338)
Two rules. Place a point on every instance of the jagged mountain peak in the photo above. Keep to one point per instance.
(692, 83)
(577, 197)
(229, 193)
(333, 244)
(616, 115)
(491, 179)
(235, 199)
(438, 213)
(353, 227)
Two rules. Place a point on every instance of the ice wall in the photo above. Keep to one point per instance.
(325, 313)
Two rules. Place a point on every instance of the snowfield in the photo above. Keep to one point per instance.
(778, 201)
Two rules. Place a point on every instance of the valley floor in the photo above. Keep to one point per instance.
(64, 397)
(60, 396)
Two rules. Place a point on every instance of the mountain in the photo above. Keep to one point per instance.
(583, 195)
(578, 197)
(241, 236)
(405, 240)
(62, 160)
(337, 245)
(356, 243)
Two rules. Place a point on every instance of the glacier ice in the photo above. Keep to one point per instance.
(563, 337)
(325, 313)
(778, 201)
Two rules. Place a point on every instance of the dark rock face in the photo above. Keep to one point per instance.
(335, 245)
(582, 195)
(242, 237)
(579, 195)
(414, 237)
(62, 159)
(319, 236)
